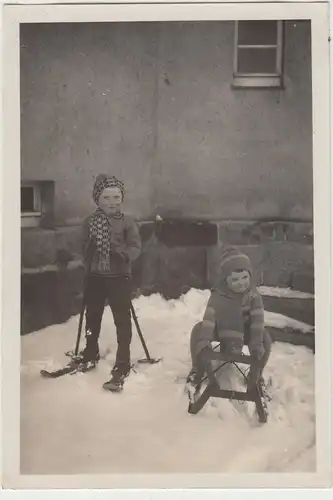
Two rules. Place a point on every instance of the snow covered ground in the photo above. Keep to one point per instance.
(72, 426)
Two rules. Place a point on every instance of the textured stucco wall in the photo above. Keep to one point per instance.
(153, 103)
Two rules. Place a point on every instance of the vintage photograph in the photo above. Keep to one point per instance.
(167, 179)
(168, 285)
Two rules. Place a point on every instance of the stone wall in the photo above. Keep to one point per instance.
(281, 253)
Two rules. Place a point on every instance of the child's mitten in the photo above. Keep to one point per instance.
(231, 341)
(119, 256)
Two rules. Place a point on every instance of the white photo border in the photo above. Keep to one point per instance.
(12, 16)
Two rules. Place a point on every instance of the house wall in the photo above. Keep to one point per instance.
(153, 104)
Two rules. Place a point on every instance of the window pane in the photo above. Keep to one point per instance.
(27, 199)
(256, 61)
(257, 33)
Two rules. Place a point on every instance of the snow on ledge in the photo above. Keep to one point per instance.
(284, 293)
(73, 264)
(197, 300)
(276, 320)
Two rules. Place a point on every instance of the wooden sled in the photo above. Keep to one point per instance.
(253, 393)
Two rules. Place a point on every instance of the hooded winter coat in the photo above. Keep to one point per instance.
(231, 315)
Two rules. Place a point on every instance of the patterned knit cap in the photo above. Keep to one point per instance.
(231, 259)
(104, 181)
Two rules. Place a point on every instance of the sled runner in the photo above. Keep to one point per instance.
(254, 392)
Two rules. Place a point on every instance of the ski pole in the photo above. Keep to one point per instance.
(72, 354)
(83, 305)
(148, 358)
(79, 332)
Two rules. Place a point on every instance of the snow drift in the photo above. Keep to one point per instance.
(72, 426)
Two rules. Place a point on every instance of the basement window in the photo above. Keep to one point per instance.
(258, 53)
(30, 204)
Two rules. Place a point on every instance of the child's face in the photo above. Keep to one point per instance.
(110, 200)
(239, 281)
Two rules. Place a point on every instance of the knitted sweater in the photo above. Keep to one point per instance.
(251, 322)
(125, 238)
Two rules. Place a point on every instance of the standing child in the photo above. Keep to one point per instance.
(111, 242)
(234, 316)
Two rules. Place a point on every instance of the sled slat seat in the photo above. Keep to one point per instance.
(235, 358)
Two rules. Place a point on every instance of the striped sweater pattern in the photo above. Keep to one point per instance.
(250, 322)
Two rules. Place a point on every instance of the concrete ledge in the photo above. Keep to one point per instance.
(275, 264)
(52, 272)
(293, 337)
(299, 309)
(40, 246)
(254, 232)
(52, 268)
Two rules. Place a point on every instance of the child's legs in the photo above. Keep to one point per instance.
(198, 347)
(95, 303)
(267, 341)
(119, 295)
(195, 337)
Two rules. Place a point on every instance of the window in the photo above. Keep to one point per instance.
(30, 204)
(30, 200)
(37, 204)
(258, 54)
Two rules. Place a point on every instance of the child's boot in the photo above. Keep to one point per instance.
(90, 356)
(192, 385)
(192, 377)
(118, 375)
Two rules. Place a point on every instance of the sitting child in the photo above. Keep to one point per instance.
(234, 316)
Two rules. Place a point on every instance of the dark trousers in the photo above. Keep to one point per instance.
(117, 291)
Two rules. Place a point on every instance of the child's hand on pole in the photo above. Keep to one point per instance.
(118, 255)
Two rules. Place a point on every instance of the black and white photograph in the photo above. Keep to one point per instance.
(167, 313)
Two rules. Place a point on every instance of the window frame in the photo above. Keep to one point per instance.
(255, 80)
(32, 218)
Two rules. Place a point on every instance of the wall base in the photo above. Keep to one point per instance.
(52, 276)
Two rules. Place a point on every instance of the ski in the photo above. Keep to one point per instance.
(70, 368)
(76, 367)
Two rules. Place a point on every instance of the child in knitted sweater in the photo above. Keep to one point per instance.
(234, 316)
(111, 242)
